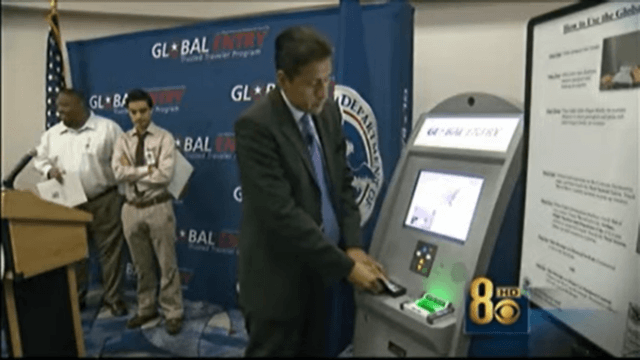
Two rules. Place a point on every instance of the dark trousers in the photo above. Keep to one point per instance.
(297, 337)
(106, 236)
(293, 338)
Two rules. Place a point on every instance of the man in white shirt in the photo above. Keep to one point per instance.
(83, 143)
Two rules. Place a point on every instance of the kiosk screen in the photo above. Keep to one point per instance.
(444, 203)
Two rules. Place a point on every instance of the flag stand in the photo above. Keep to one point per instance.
(54, 72)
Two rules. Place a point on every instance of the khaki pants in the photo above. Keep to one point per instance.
(150, 234)
(105, 235)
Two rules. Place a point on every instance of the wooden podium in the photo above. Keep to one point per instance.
(41, 242)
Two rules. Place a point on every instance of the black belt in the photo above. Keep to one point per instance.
(113, 188)
(156, 200)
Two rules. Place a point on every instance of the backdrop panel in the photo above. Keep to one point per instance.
(203, 76)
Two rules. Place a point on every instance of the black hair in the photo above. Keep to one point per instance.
(75, 93)
(137, 95)
(299, 46)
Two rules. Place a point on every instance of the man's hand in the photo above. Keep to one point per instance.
(363, 278)
(56, 173)
(359, 256)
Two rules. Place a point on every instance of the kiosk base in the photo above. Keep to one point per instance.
(387, 340)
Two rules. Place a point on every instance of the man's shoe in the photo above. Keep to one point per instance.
(119, 308)
(173, 326)
(138, 320)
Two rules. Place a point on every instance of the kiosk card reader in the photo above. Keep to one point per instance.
(438, 226)
(392, 288)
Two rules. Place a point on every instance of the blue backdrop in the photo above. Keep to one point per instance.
(203, 76)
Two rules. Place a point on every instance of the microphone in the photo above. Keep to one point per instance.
(8, 181)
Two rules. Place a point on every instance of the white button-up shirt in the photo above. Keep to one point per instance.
(297, 116)
(86, 151)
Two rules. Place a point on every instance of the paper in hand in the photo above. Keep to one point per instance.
(70, 193)
(181, 174)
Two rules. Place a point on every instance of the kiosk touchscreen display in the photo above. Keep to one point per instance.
(444, 203)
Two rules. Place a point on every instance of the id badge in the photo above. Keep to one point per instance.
(149, 157)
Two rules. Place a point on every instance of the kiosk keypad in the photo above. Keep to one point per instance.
(423, 258)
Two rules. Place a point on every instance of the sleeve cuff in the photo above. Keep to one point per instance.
(339, 270)
(142, 171)
(348, 266)
(45, 170)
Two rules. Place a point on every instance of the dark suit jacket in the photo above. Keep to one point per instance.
(283, 256)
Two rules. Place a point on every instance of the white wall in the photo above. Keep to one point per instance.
(478, 47)
(199, 9)
(458, 47)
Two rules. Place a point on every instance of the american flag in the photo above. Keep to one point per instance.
(54, 80)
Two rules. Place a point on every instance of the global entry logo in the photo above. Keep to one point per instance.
(251, 92)
(165, 99)
(219, 147)
(108, 101)
(209, 241)
(363, 157)
(228, 44)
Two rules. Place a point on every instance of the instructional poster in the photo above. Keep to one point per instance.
(581, 250)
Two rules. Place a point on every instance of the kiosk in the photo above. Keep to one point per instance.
(438, 227)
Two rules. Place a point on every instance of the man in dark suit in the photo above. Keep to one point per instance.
(300, 232)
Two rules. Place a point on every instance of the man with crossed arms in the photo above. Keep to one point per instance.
(144, 160)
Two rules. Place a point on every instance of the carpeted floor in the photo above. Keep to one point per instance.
(212, 331)
(208, 331)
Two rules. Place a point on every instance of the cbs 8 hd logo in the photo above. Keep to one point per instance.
(506, 311)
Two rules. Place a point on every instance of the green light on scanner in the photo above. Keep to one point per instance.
(431, 303)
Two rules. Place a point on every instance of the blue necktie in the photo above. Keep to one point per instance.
(329, 221)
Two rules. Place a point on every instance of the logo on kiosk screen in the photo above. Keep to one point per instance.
(509, 310)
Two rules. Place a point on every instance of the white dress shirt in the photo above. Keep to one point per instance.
(86, 151)
(297, 116)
